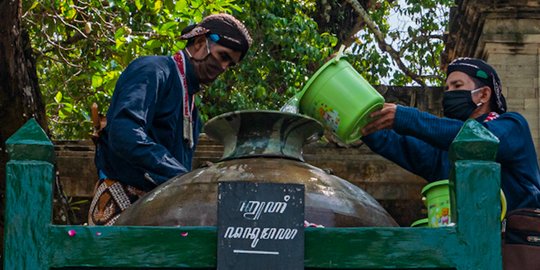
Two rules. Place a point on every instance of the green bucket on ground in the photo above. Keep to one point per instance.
(437, 196)
(438, 203)
(340, 98)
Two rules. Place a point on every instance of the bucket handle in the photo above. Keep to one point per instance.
(339, 53)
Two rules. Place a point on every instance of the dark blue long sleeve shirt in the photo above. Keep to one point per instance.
(419, 143)
(142, 144)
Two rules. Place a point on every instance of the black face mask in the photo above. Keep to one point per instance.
(458, 104)
(207, 68)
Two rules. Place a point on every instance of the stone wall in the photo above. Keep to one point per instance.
(510, 41)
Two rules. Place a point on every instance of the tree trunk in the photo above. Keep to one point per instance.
(20, 98)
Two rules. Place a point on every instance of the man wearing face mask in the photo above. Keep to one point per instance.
(152, 122)
(419, 141)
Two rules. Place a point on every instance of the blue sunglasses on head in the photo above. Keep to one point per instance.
(214, 37)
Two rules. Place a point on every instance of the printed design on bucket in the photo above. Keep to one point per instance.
(439, 213)
(444, 216)
(330, 116)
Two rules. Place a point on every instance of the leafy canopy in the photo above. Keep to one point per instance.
(415, 30)
(83, 46)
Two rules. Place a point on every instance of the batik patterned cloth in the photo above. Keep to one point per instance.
(110, 199)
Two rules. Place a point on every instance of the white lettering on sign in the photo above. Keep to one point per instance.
(255, 234)
(256, 252)
(253, 209)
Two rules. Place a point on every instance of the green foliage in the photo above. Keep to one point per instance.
(287, 48)
(83, 46)
(417, 35)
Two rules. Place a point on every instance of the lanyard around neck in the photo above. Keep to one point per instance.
(187, 110)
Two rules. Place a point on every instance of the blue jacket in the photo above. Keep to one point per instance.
(419, 143)
(142, 144)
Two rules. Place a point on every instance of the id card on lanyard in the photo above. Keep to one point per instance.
(187, 110)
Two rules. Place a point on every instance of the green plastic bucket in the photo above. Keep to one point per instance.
(421, 223)
(438, 203)
(340, 98)
(437, 196)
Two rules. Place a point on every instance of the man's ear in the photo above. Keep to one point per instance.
(486, 94)
(199, 44)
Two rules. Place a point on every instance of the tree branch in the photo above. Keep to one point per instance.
(379, 37)
(419, 38)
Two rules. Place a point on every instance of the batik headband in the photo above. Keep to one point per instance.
(226, 30)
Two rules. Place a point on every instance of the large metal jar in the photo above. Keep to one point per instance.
(259, 146)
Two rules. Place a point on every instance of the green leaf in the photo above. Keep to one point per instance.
(97, 81)
(152, 44)
(67, 107)
(158, 4)
(61, 114)
(180, 6)
(120, 32)
(260, 92)
(68, 11)
(58, 97)
(167, 25)
(34, 5)
(138, 4)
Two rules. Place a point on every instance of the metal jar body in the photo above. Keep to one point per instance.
(264, 147)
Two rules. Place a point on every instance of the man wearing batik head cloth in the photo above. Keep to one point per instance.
(419, 141)
(152, 122)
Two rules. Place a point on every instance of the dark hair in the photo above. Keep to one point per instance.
(478, 83)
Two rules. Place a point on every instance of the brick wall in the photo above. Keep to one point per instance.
(510, 41)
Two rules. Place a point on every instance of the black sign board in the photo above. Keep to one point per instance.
(260, 226)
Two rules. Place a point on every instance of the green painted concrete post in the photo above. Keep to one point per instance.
(477, 178)
(27, 214)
